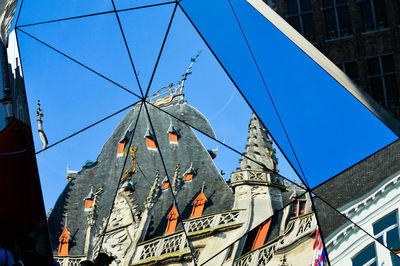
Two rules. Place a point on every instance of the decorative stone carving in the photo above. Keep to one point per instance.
(152, 196)
(176, 180)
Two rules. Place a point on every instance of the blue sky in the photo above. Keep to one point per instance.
(319, 113)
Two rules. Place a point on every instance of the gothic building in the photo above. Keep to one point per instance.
(130, 213)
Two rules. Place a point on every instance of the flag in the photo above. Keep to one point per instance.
(319, 251)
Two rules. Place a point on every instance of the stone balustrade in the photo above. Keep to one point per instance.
(296, 229)
(255, 177)
(176, 245)
(260, 256)
(69, 261)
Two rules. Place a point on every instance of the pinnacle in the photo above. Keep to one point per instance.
(259, 148)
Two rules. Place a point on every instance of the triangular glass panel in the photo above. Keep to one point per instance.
(145, 30)
(203, 85)
(368, 194)
(349, 244)
(72, 154)
(34, 11)
(129, 4)
(71, 97)
(103, 50)
(277, 77)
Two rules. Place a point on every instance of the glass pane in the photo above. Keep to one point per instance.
(380, 14)
(292, 7)
(395, 259)
(145, 30)
(33, 11)
(305, 5)
(391, 90)
(294, 82)
(99, 53)
(127, 4)
(327, 3)
(381, 225)
(387, 63)
(295, 22)
(308, 27)
(366, 12)
(351, 69)
(392, 238)
(66, 91)
(330, 22)
(373, 66)
(344, 20)
(365, 256)
(377, 90)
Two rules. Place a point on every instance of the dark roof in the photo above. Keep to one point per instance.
(356, 182)
(106, 171)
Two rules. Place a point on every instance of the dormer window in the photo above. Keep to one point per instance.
(198, 205)
(172, 220)
(89, 199)
(173, 134)
(298, 206)
(121, 147)
(165, 184)
(64, 243)
(189, 174)
(262, 233)
(150, 142)
(122, 143)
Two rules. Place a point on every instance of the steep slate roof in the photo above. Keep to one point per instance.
(106, 171)
(354, 183)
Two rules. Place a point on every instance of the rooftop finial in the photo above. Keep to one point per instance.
(193, 60)
(42, 135)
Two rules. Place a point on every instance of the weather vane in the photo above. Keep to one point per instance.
(187, 73)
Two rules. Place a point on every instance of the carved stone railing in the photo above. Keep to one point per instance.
(260, 256)
(211, 222)
(255, 177)
(297, 228)
(69, 261)
(164, 247)
(176, 245)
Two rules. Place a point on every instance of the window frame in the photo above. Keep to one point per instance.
(373, 14)
(381, 75)
(335, 7)
(371, 261)
(300, 13)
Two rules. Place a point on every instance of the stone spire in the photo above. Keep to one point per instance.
(176, 181)
(259, 148)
